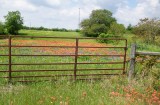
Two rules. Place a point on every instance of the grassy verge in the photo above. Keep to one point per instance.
(115, 90)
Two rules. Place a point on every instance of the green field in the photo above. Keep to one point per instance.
(49, 33)
(116, 90)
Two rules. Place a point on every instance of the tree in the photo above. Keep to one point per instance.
(13, 22)
(129, 28)
(148, 29)
(1, 28)
(98, 22)
(117, 29)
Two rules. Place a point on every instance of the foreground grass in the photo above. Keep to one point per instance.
(111, 91)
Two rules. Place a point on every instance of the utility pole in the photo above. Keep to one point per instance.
(79, 17)
(30, 25)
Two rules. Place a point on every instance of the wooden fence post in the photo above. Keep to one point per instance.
(132, 61)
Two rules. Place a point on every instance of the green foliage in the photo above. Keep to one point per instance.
(50, 29)
(98, 22)
(2, 29)
(13, 22)
(148, 29)
(97, 29)
(117, 29)
(130, 27)
(103, 35)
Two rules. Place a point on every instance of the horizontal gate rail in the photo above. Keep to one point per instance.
(48, 76)
(64, 55)
(76, 56)
(64, 63)
(60, 70)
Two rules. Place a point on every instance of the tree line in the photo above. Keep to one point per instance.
(100, 23)
(14, 22)
(49, 29)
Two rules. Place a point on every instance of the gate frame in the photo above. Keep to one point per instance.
(76, 56)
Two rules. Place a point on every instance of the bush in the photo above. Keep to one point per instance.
(103, 35)
(117, 29)
(148, 30)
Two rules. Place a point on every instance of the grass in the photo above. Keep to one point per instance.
(49, 33)
(116, 90)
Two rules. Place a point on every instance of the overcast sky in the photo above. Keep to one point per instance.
(65, 13)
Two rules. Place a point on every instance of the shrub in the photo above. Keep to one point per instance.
(117, 29)
(103, 35)
(148, 29)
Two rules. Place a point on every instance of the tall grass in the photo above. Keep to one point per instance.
(115, 90)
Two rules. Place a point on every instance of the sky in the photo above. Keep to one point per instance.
(65, 13)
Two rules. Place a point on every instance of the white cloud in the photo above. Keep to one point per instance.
(144, 8)
(55, 2)
(17, 4)
(65, 13)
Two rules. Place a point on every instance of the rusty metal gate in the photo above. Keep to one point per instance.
(86, 61)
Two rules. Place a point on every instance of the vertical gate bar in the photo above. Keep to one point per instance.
(124, 63)
(10, 60)
(76, 56)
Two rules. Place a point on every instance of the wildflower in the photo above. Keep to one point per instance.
(40, 102)
(84, 94)
(61, 103)
(53, 99)
(66, 103)
(61, 98)
(115, 94)
(11, 103)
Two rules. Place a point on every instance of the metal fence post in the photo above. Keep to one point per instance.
(10, 60)
(132, 61)
(76, 56)
(124, 64)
